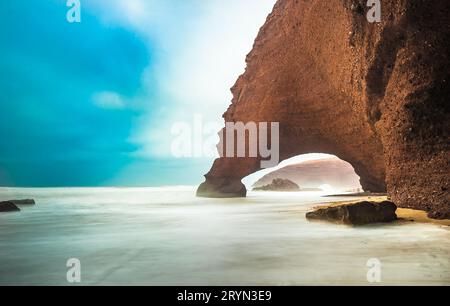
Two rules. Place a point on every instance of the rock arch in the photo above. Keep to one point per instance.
(375, 95)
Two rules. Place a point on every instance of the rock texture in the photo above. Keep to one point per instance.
(310, 175)
(375, 95)
(8, 206)
(279, 185)
(360, 213)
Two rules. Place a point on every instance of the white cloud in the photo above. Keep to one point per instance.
(108, 100)
(201, 49)
(146, 17)
(199, 73)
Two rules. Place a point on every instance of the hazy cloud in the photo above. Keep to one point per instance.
(108, 100)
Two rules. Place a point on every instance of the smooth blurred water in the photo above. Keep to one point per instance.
(167, 236)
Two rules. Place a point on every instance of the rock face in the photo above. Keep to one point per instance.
(374, 94)
(279, 185)
(8, 206)
(310, 175)
(361, 213)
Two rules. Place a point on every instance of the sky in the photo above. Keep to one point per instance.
(93, 103)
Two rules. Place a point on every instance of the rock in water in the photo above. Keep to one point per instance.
(8, 206)
(23, 202)
(359, 213)
(279, 185)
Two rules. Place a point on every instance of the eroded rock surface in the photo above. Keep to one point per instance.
(360, 213)
(375, 95)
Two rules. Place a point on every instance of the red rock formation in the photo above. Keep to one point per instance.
(375, 95)
(312, 174)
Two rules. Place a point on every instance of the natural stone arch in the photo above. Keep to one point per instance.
(375, 95)
(225, 178)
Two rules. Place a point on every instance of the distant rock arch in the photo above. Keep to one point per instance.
(313, 172)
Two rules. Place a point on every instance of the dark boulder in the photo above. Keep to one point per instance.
(359, 213)
(8, 206)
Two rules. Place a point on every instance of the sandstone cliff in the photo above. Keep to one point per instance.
(375, 95)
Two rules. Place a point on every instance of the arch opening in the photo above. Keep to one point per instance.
(319, 172)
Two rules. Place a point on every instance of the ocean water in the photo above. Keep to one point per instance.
(167, 236)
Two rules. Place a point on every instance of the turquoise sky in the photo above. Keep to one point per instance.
(92, 103)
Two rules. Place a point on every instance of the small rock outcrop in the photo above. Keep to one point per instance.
(23, 202)
(8, 206)
(279, 185)
(360, 213)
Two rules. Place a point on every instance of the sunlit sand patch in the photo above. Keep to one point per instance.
(404, 214)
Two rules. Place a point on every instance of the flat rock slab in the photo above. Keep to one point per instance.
(23, 202)
(8, 206)
(359, 213)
